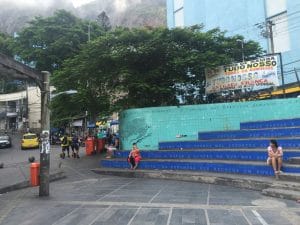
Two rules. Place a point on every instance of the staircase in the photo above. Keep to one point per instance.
(241, 151)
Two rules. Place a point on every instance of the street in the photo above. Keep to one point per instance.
(88, 198)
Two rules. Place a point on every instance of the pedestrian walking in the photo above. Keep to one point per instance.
(75, 146)
(65, 146)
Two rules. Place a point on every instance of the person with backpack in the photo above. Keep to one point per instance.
(65, 146)
(75, 146)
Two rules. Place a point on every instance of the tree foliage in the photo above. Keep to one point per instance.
(49, 41)
(128, 68)
(6, 44)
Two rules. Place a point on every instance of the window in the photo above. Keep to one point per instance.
(178, 13)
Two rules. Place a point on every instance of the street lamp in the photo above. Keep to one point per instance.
(242, 45)
(69, 92)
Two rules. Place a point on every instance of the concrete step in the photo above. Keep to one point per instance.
(225, 144)
(282, 193)
(241, 181)
(294, 160)
(235, 154)
(220, 166)
(251, 134)
(295, 122)
(290, 177)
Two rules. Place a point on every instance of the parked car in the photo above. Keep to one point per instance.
(29, 141)
(5, 141)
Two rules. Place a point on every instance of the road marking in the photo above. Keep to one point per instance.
(206, 217)
(74, 170)
(102, 213)
(244, 215)
(170, 216)
(65, 216)
(12, 204)
(169, 205)
(132, 218)
(259, 217)
(124, 185)
(155, 195)
(208, 195)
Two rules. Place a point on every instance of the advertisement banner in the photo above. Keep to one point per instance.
(256, 74)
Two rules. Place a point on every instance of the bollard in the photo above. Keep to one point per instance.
(34, 174)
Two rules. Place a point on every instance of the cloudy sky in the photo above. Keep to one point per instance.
(76, 3)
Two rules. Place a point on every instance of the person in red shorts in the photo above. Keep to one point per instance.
(134, 157)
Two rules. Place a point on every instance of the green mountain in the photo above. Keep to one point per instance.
(130, 13)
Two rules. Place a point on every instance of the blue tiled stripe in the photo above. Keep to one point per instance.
(227, 144)
(244, 134)
(224, 155)
(271, 124)
(201, 166)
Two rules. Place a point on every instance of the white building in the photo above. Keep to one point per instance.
(21, 110)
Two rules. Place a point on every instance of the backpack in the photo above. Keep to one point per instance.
(65, 141)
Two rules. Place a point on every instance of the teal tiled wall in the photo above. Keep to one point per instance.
(148, 126)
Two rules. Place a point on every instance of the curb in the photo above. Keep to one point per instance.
(268, 187)
(25, 184)
(282, 193)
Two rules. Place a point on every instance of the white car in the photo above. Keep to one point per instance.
(5, 141)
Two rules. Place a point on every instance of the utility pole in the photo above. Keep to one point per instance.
(242, 45)
(45, 126)
(270, 25)
(297, 76)
(282, 77)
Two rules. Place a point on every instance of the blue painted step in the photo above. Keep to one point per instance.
(213, 154)
(271, 124)
(246, 134)
(227, 144)
(221, 167)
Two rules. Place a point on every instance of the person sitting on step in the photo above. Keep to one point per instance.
(275, 154)
(134, 157)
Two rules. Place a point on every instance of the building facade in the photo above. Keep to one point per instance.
(21, 110)
(274, 24)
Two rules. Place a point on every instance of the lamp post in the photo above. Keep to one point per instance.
(242, 45)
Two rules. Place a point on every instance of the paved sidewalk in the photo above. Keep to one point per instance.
(16, 172)
(90, 199)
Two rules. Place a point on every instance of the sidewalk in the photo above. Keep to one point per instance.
(16, 173)
(17, 176)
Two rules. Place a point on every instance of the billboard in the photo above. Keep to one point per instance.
(256, 74)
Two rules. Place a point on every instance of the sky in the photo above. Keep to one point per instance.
(76, 3)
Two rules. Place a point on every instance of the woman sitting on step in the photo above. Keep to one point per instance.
(134, 157)
(275, 154)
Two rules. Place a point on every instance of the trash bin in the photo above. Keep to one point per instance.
(35, 174)
(89, 146)
(100, 144)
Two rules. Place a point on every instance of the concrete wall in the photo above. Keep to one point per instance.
(148, 126)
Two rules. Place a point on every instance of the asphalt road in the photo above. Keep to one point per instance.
(86, 198)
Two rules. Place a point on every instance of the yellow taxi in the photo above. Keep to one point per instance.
(30, 140)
